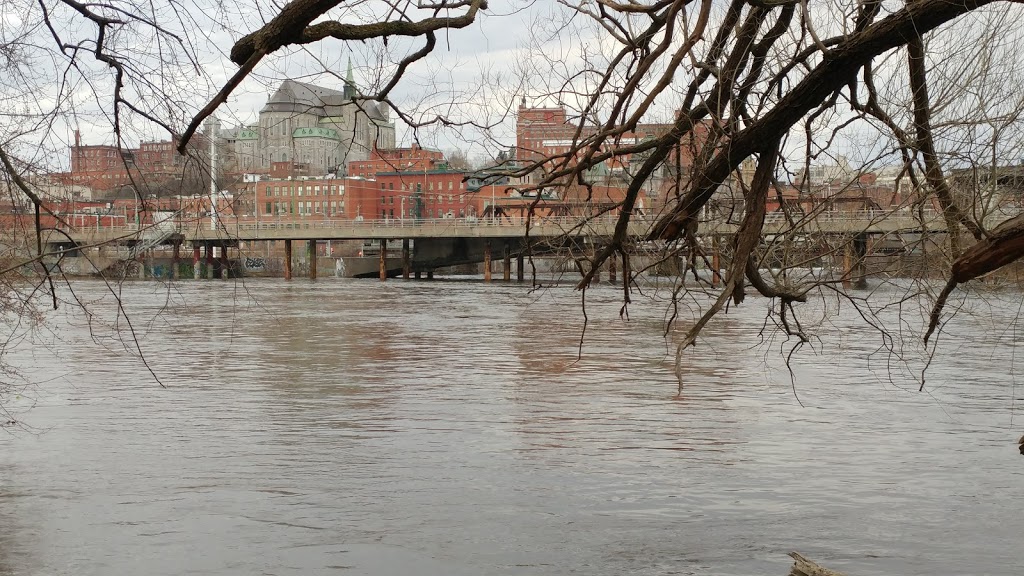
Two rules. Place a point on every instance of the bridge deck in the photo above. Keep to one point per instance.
(872, 222)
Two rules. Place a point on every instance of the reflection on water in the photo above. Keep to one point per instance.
(449, 428)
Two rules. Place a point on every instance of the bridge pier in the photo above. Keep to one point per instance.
(383, 260)
(506, 270)
(210, 272)
(418, 274)
(625, 271)
(519, 268)
(311, 256)
(175, 257)
(430, 274)
(287, 259)
(197, 267)
(405, 260)
(611, 268)
(716, 263)
(854, 266)
(487, 261)
(225, 264)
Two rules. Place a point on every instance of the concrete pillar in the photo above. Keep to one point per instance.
(847, 266)
(405, 260)
(418, 274)
(625, 271)
(210, 272)
(287, 259)
(311, 255)
(430, 274)
(175, 257)
(860, 251)
(487, 260)
(383, 260)
(197, 266)
(611, 268)
(225, 263)
(716, 263)
(506, 268)
(519, 268)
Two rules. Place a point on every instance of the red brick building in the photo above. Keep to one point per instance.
(400, 183)
(543, 133)
(152, 165)
(412, 159)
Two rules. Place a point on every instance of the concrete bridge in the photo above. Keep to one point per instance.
(314, 228)
(446, 242)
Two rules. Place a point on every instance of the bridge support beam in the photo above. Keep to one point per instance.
(197, 266)
(287, 259)
(418, 274)
(519, 268)
(383, 260)
(716, 262)
(225, 263)
(405, 260)
(487, 261)
(210, 272)
(506, 270)
(626, 271)
(175, 257)
(854, 266)
(311, 255)
(430, 274)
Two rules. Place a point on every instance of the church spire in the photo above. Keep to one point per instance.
(350, 82)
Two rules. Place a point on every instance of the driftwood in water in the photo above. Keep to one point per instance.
(804, 567)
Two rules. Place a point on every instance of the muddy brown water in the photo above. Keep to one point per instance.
(447, 428)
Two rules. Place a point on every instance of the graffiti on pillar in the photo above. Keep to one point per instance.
(339, 267)
(255, 264)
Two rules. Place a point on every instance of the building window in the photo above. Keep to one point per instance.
(267, 211)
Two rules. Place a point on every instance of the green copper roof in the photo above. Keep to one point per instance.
(248, 134)
(316, 132)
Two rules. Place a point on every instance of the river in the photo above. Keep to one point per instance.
(447, 428)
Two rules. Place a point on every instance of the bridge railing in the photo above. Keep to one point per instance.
(315, 223)
(513, 223)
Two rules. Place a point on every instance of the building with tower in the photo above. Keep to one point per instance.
(309, 124)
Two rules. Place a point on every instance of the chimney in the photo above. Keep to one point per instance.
(78, 138)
